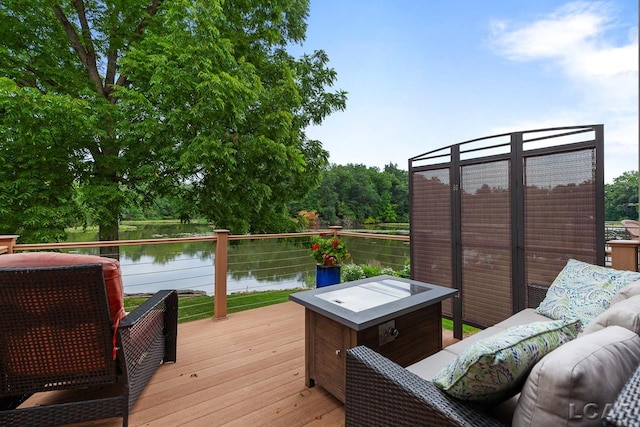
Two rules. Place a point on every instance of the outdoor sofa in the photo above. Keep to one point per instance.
(64, 330)
(588, 374)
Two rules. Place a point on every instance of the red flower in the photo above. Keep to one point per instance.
(329, 251)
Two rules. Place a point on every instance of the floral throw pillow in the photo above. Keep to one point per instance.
(495, 368)
(583, 291)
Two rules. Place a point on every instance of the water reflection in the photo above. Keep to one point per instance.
(253, 265)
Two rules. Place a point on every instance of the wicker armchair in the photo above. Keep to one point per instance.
(57, 335)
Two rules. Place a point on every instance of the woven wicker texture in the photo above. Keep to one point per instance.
(57, 334)
(54, 329)
(535, 294)
(626, 409)
(381, 393)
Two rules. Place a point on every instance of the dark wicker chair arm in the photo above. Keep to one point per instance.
(626, 409)
(380, 392)
(147, 337)
(148, 305)
(535, 294)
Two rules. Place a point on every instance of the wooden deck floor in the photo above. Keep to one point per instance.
(247, 370)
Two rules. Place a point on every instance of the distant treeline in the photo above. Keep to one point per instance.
(348, 195)
(621, 197)
(356, 194)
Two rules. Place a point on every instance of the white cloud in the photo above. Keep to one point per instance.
(606, 61)
(553, 36)
(576, 40)
(574, 36)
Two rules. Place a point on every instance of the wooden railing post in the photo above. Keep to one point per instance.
(624, 254)
(335, 229)
(7, 242)
(220, 276)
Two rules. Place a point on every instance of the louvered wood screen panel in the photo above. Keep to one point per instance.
(560, 202)
(431, 229)
(486, 242)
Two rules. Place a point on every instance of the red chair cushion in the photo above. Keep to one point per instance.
(110, 270)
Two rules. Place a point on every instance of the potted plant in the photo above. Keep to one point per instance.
(329, 254)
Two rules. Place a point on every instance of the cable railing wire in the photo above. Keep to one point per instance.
(258, 264)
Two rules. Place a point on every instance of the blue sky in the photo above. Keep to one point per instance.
(424, 74)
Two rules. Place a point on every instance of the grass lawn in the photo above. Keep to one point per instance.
(201, 307)
(466, 329)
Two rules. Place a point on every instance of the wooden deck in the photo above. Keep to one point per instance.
(246, 370)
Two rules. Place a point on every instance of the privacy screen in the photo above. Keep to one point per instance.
(492, 215)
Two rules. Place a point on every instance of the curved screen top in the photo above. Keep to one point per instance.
(504, 144)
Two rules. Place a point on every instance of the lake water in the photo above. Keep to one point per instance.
(253, 265)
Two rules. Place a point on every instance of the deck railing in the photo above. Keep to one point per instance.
(227, 261)
(621, 254)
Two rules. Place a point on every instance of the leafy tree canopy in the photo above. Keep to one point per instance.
(357, 194)
(621, 197)
(131, 100)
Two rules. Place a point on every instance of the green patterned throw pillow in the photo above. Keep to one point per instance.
(583, 291)
(495, 368)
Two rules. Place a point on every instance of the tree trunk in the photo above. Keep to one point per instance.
(109, 232)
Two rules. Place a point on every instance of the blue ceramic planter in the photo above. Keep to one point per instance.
(327, 275)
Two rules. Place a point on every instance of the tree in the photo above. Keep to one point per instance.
(621, 197)
(197, 99)
(399, 191)
(356, 193)
(36, 183)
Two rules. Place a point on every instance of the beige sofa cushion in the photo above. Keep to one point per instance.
(528, 315)
(428, 367)
(625, 313)
(575, 384)
(458, 347)
(628, 291)
(494, 369)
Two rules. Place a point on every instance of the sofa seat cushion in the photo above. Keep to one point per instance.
(458, 347)
(583, 291)
(428, 367)
(576, 384)
(523, 317)
(528, 315)
(494, 369)
(110, 270)
(625, 313)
